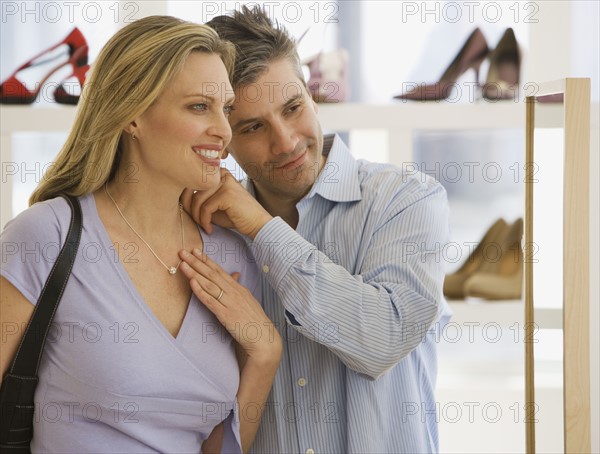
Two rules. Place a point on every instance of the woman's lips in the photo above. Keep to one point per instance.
(208, 160)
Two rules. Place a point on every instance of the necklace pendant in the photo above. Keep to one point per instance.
(172, 270)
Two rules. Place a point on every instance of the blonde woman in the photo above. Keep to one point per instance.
(136, 361)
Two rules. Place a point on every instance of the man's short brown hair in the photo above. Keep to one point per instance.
(259, 41)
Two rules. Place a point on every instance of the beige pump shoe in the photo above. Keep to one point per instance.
(501, 279)
(454, 283)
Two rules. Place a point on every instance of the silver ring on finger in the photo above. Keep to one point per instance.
(220, 295)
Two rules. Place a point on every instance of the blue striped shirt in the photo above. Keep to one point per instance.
(356, 293)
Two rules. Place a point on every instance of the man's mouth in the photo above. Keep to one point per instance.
(297, 162)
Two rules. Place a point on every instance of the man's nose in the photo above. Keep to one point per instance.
(284, 138)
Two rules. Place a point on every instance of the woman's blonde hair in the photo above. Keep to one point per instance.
(130, 73)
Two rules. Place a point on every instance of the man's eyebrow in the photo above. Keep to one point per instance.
(210, 98)
(245, 122)
(293, 100)
(289, 102)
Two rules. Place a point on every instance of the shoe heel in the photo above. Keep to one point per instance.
(503, 77)
(61, 94)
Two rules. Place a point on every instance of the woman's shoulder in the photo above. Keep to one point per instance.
(42, 220)
(30, 244)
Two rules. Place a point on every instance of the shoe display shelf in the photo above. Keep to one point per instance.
(397, 120)
(401, 119)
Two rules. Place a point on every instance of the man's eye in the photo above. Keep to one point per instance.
(253, 128)
(294, 108)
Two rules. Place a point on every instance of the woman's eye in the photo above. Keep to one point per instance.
(228, 110)
(200, 107)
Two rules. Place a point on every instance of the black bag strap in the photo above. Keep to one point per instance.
(29, 353)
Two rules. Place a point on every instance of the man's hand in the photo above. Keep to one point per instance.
(229, 206)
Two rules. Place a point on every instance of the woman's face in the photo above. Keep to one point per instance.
(182, 136)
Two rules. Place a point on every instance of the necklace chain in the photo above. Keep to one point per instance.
(170, 269)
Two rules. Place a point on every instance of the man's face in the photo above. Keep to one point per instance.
(277, 138)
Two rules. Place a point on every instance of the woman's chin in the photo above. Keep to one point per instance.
(208, 182)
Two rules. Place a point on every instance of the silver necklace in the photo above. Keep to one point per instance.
(170, 269)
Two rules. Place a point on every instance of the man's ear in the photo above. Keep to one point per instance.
(225, 153)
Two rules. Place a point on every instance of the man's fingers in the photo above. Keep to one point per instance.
(225, 174)
(215, 205)
(192, 201)
(201, 216)
(205, 217)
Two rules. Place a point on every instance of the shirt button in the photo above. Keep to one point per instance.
(302, 382)
(310, 451)
(265, 268)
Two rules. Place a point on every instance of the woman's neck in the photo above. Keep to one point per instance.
(145, 203)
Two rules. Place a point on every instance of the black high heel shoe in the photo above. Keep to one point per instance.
(502, 80)
(472, 54)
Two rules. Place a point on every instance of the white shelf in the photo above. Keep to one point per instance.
(38, 119)
(399, 120)
(436, 115)
(342, 116)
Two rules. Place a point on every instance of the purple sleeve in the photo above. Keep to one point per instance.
(30, 245)
(232, 443)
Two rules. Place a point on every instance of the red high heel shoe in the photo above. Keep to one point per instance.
(13, 91)
(65, 92)
(471, 55)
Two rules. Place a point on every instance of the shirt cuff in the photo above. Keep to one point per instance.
(276, 248)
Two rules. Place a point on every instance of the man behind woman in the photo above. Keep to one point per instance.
(349, 254)
(161, 373)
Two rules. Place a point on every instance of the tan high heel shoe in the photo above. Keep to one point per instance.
(502, 80)
(454, 282)
(470, 56)
(501, 279)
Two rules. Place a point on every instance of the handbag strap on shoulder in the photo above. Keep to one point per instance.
(29, 353)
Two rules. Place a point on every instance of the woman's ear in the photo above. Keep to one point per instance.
(131, 129)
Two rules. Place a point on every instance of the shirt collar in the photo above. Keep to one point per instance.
(338, 180)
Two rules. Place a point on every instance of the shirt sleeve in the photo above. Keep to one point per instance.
(373, 319)
(232, 443)
(31, 243)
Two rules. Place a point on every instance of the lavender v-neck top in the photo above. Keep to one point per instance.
(112, 378)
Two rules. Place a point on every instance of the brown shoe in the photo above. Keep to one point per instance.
(453, 284)
(501, 278)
